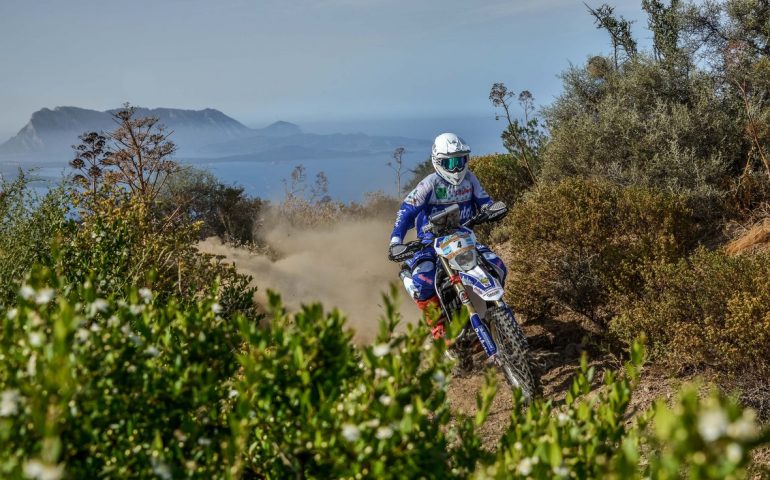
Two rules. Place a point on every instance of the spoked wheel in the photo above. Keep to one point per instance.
(513, 353)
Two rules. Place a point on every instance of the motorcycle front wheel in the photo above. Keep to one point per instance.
(514, 357)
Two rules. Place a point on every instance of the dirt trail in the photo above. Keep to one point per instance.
(344, 266)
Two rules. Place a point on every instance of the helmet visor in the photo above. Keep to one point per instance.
(454, 164)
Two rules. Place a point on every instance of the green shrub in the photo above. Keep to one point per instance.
(601, 437)
(124, 242)
(224, 211)
(707, 310)
(574, 242)
(104, 387)
(313, 406)
(647, 125)
(503, 177)
(99, 387)
(29, 226)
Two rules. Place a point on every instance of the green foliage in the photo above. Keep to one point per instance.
(708, 309)
(95, 386)
(618, 28)
(578, 439)
(502, 176)
(224, 211)
(126, 243)
(29, 225)
(647, 126)
(700, 437)
(591, 436)
(313, 406)
(576, 241)
(101, 387)
(523, 138)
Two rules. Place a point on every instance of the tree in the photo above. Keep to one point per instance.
(89, 160)
(619, 29)
(398, 167)
(135, 156)
(296, 186)
(142, 159)
(522, 139)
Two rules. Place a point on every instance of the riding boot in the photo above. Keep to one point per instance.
(433, 315)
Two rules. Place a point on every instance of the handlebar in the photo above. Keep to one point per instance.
(448, 218)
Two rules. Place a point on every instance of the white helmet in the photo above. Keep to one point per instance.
(450, 157)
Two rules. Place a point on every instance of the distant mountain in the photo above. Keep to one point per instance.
(50, 134)
(278, 129)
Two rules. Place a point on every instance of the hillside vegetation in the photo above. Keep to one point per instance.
(638, 201)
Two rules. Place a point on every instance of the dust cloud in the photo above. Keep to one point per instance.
(343, 266)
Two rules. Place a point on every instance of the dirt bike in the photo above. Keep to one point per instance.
(463, 279)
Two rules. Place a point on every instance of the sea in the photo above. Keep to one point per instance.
(350, 178)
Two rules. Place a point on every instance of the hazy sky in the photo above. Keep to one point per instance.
(311, 60)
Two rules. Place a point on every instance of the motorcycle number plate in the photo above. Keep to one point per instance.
(453, 245)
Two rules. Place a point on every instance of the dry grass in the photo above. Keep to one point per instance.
(753, 239)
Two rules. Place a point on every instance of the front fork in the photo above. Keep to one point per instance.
(478, 325)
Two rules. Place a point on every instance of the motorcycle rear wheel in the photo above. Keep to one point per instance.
(514, 357)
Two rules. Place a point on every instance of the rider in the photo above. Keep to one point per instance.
(451, 183)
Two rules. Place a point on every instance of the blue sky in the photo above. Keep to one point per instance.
(297, 60)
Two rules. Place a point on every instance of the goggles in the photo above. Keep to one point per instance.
(454, 164)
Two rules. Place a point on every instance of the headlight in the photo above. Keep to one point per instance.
(466, 260)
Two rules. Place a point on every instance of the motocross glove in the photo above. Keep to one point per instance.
(393, 249)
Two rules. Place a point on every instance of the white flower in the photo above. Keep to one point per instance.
(409, 408)
(381, 350)
(27, 292)
(350, 432)
(42, 471)
(161, 469)
(136, 309)
(385, 400)
(380, 372)
(375, 422)
(12, 313)
(9, 403)
(562, 418)
(745, 428)
(99, 305)
(232, 393)
(525, 466)
(152, 351)
(384, 433)
(561, 471)
(517, 446)
(734, 452)
(439, 377)
(35, 339)
(216, 308)
(82, 335)
(203, 441)
(32, 365)
(113, 321)
(44, 296)
(712, 424)
(146, 294)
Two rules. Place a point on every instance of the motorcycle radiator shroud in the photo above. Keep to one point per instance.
(459, 249)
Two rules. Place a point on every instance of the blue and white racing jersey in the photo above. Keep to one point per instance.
(432, 195)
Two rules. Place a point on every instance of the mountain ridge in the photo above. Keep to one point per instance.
(50, 134)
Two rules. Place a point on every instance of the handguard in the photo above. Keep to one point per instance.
(399, 252)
